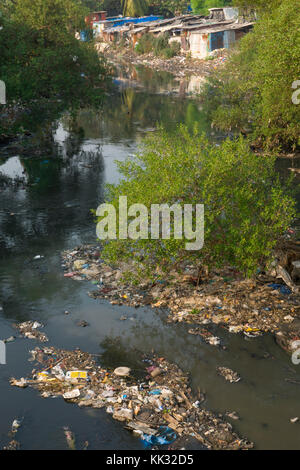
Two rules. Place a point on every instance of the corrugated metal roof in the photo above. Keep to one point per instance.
(233, 26)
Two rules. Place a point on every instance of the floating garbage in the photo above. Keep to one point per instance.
(22, 383)
(9, 340)
(206, 336)
(29, 329)
(16, 425)
(76, 374)
(122, 371)
(228, 374)
(14, 444)
(70, 438)
(233, 415)
(164, 436)
(157, 409)
(82, 323)
(38, 257)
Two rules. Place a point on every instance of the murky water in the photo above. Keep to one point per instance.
(51, 214)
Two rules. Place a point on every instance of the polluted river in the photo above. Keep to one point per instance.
(45, 203)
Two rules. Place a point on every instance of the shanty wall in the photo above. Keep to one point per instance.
(229, 38)
(199, 45)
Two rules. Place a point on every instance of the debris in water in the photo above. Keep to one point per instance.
(70, 438)
(228, 374)
(158, 407)
(206, 335)
(233, 415)
(22, 383)
(9, 340)
(83, 323)
(122, 371)
(29, 329)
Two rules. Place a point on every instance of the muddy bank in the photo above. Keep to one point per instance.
(156, 402)
(247, 306)
(180, 66)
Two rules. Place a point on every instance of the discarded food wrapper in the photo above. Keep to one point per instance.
(77, 374)
(44, 375)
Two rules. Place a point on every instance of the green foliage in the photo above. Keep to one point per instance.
(254, 90)
(159, 45)
(41, 59)
(161, 7)
(246, 207)
(145, 44)
(52, 17)
(135, 7)
(169, 7)
(259, 5)
(202, 6)
(113, 7)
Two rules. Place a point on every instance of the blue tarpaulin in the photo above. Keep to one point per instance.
(123, 21)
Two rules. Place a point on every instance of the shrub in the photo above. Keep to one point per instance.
(254, 90)
(159, 45)
(145, 44)
(246, 207)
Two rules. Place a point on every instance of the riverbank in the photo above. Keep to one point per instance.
(248, 306)
(180, 65)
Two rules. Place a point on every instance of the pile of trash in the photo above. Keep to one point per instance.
(29, 329)
(224, 297)
(158, 407)
(179, 65)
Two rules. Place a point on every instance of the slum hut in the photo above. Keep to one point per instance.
(121, 24)
(203, 41)
(95, 16)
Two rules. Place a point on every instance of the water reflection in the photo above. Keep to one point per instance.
(48, 184)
